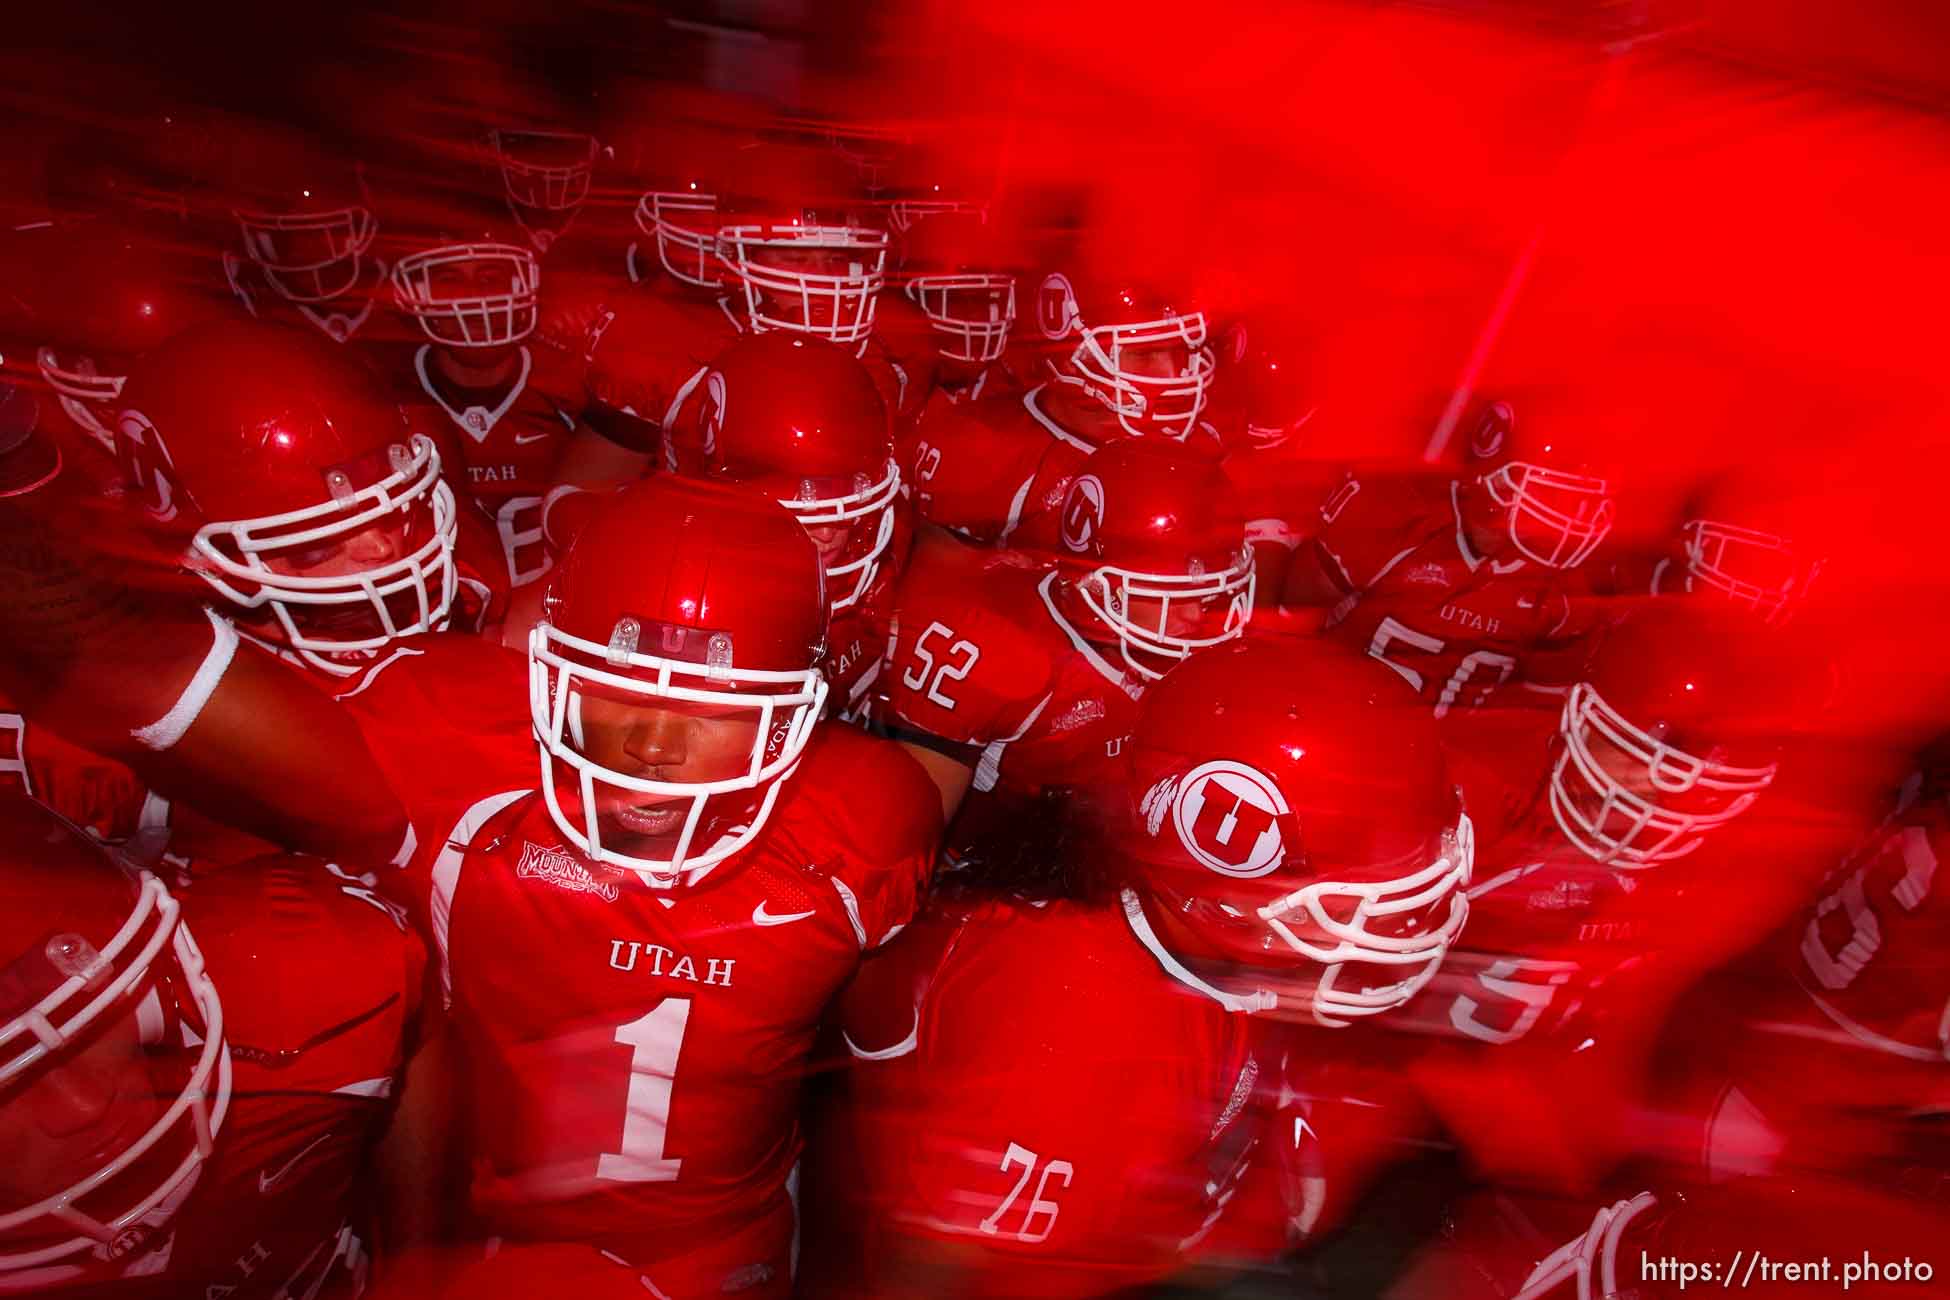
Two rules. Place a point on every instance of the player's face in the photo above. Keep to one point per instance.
(65, 1122)
(1180, 618)
(667, 740)
(830, 540)
(1156, 360)
(379, 543)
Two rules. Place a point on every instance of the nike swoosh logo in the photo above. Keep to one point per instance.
(267, 1182)
(762, 917)
(523, 439)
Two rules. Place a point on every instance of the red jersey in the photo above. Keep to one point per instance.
(1415, 594)
(644, 1097)
(100, 795)
(1089, 1138)
(317, 1043)
(856, 640)
(501, 445)
(1871, 949)
(982, 658)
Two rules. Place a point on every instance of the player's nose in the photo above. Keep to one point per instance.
(71, 1100)
(659, 739)
(376, 545)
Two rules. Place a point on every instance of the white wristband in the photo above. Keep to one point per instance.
(170, 727)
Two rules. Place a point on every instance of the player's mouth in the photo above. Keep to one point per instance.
(661, 818)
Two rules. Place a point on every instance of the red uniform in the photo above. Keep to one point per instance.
(857, 639)
(503, 444)
(320, 982)
(1088, 1139)
(981, 657)
(1454, 624)
(98, 794)
(643, 1098)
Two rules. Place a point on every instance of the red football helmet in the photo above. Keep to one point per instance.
(545, 176)
(1739, 540)
(107, 296)
(679, 600)
(1153, 544)
(112, 1055)
(1141, 353)
(926, 181)
(797, 240)
(1294, 815)
(683, 220)
(801, 418)
(1554, 496)
(305, 499)
(471, 287)
(1659, 745)
(305, 216)
(1262, 382)
(951, 270)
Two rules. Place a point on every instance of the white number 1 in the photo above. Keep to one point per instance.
(656, 1039)
(1037, 1205)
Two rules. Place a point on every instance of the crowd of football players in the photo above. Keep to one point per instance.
(733, 710)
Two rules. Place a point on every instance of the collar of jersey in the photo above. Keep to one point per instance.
(460, 417)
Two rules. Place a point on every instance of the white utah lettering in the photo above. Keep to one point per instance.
(624, 955)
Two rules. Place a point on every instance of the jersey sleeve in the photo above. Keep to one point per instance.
(446, 716)
(881, 819)
(960, 669)
(1368, 522)
(98, 794)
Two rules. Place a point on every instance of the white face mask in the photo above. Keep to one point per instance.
(719, 817)
(119, 980)
(1627, 827)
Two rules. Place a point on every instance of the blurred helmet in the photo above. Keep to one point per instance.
(1140, 352)
(1739, 541)
(1660, 744)
(1590, 1260)
(102, 983)
(302, 496)
(106, 296)
(545, 176)
(952, 270)
(1262, 383)
(802, 419)
(1294, 818)
(470, 286)
(1153, 543)
(304, 214)
(1554, 495)
(797, 240)
(678, 597)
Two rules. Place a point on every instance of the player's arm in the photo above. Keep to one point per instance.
(951, 769)
(420, 1174)
(91, 645)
